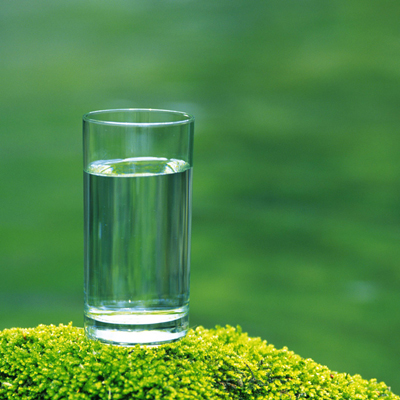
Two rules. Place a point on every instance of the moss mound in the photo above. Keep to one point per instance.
(50, 362)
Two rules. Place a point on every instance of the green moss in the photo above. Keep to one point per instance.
(50, 362)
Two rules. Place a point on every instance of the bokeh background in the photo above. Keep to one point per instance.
(296, 210)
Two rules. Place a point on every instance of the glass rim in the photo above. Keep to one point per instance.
(186, 118)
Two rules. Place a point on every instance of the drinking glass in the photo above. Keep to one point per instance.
(137, 224)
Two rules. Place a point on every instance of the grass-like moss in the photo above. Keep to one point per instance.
(58, 362)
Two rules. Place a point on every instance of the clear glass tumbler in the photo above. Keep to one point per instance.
(137, 224)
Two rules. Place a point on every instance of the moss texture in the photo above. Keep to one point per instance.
(58, 362)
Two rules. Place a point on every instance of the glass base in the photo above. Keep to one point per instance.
(133, 330)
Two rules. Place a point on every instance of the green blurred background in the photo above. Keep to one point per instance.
(296, 210)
